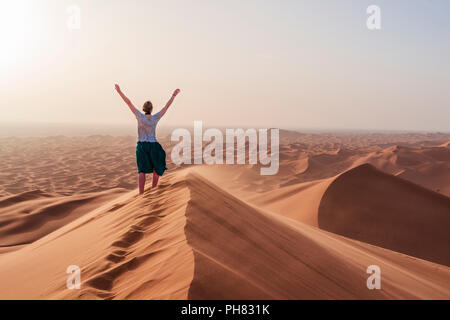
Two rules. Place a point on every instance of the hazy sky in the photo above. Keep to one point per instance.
(291, 64)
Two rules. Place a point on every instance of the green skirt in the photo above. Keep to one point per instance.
(149, 156)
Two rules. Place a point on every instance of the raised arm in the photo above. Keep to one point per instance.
(163, 110)
(127, 101)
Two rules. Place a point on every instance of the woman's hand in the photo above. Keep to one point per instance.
(127, 101)
(163, 110)
(177, 91)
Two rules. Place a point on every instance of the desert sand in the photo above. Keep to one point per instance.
(340, 203)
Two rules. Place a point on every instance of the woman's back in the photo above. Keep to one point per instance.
(147, 127)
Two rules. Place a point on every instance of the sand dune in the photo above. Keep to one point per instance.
(29, 216)
(426, 166)
(371, 206)
(66, 165)
(190, 239)
(70, 165)
(340, 203)
(363, 204)
(299, 202)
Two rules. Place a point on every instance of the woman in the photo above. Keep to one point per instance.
(150, 156)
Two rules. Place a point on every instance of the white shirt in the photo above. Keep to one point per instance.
(146, 127)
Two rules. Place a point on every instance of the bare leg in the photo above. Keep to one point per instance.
(141, 182)
(155, 179)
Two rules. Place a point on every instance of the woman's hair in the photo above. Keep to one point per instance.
(147, 107)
